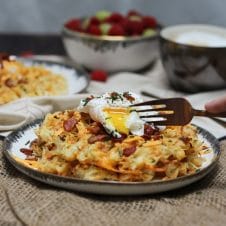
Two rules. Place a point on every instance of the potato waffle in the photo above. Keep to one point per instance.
(70, 143)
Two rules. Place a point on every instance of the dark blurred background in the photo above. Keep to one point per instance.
(35, 25)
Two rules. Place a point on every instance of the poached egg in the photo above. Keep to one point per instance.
(113, 112)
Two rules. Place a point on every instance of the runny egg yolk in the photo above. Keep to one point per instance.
(117, 117)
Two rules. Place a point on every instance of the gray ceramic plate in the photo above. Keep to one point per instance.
(76, 77)
(21, 137)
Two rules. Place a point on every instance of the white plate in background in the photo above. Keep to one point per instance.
(77, 78)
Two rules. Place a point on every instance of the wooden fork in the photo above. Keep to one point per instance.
(172, 111)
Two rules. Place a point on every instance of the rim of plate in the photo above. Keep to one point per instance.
(7, 143)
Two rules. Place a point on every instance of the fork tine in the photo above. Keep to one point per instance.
(155, 102)
(151, 102)
(166, 123)
(162, 119)
(162, 123)
(155, 116)
(170, 111)
(167, 101)
(152, 109)
(168, 120)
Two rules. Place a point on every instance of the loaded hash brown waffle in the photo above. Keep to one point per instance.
(71, 143)
(18, 80)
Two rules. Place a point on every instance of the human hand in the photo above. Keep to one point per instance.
(216, 106)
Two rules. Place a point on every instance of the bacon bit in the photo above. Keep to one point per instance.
(129, 151)
(128, 96)
(62, 137)
(38, 142)
(83, 114)
(51, 146)
(170, 158)
(74, 164)
(10, 83)
(50, 155)
(22, 81)
(157, 137)
(4, 57)
(70, 114)
(186, 140)
(26, 151)
(86, 118)
(41, 143)
(119, 139)
(86, 101)
(115, 96)
(95, 128)
(184, 159)
(69, 124)
(148, 131)
(95, 138)
(34, 142)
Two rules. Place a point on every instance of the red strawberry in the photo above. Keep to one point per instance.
(73, 24)
(133, 27)
(94, 30)
(28, 53)
(133, 13)
(94, 21)
(124, 24)
(99, 75)
(116, 29)
(115, 18)
(149, 22)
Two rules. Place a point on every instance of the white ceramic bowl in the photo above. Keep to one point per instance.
(110, 53)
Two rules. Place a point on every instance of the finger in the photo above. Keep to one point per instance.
(217, 105)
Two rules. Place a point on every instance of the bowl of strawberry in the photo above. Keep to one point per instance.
(112, 41)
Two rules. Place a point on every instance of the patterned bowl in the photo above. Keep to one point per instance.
(110, 53)
(194, 56)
